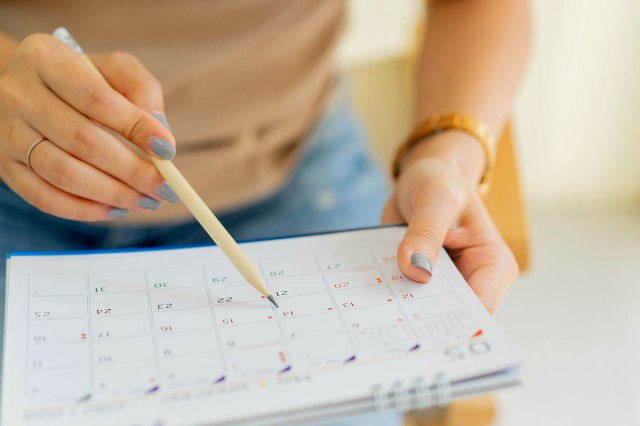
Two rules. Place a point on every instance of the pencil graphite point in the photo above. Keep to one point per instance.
(272, 300)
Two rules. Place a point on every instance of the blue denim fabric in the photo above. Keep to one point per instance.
(337, 185)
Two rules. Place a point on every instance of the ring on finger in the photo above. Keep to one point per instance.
(30, 150)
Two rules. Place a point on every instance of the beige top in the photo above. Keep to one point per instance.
(244, 80)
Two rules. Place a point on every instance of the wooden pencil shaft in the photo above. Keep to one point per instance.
(210, 223)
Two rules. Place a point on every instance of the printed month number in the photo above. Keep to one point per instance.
(472, 349)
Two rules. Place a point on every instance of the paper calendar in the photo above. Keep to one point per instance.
(176, 337)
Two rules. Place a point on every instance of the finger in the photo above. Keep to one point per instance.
(391, 214)
(49, 199)
(126, 74)
(89, 142)
(482, 256)
(77, 177)
(69, 77)
(431, 218)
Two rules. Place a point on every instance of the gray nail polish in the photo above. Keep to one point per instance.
(115, 213)
(165, 191)
(161, 118)
(163, 148)
(420, 260)
(149, 203)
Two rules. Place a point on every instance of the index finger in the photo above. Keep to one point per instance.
(73, 81)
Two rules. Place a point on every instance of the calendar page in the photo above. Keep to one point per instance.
(176, 336)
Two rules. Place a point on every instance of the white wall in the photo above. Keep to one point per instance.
(578, 114)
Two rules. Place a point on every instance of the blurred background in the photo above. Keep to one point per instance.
(575, 313)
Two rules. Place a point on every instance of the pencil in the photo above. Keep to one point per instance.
(191, 200)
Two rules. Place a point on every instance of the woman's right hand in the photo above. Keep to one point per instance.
(82, 171)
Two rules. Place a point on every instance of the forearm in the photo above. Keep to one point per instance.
(472, 61)
(8, 46)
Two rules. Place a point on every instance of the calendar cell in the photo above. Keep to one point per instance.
(135, 378)
(179, 298)
(190, 342)
(304, 305)
(58, 331)
(250, 335)
(311, 325)
(233, 293)
(345, 260)
(184, 320)
(296, 286)
(372, 316)
(392, 273)
(340, 280)
(58, 355)
(59, 385)
(408, 290)
(106, 305)
(385, 254)
(122, 350)
(418, 309)
(119, 326)
(383, 340)
(222, 273)
(257, 362)
(117, 282)
(288, 266)
(54, 307)
(192, 370)
(361, 297)
(57, 284)
(244, 313)
(160, 279)
(320, 351)
(452, 326)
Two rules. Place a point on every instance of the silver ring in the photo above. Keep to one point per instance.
(33, 145)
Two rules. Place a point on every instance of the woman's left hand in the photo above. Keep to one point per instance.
(441, 205)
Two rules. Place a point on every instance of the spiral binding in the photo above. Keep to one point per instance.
(414, 395)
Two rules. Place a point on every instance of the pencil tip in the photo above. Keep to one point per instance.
(272, 300)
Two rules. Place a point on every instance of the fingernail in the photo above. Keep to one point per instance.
(420, 260)
(149, 203)
(161, 118)
(163, 148)
(115, 213)
(165, 191)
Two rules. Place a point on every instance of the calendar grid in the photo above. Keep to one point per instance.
(186, 321)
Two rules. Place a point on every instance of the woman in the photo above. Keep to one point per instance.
(264, 132)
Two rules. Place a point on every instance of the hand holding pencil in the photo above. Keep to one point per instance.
(60, 156)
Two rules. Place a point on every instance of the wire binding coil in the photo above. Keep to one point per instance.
(418, 394)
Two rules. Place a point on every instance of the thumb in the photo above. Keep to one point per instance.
(428, 226)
